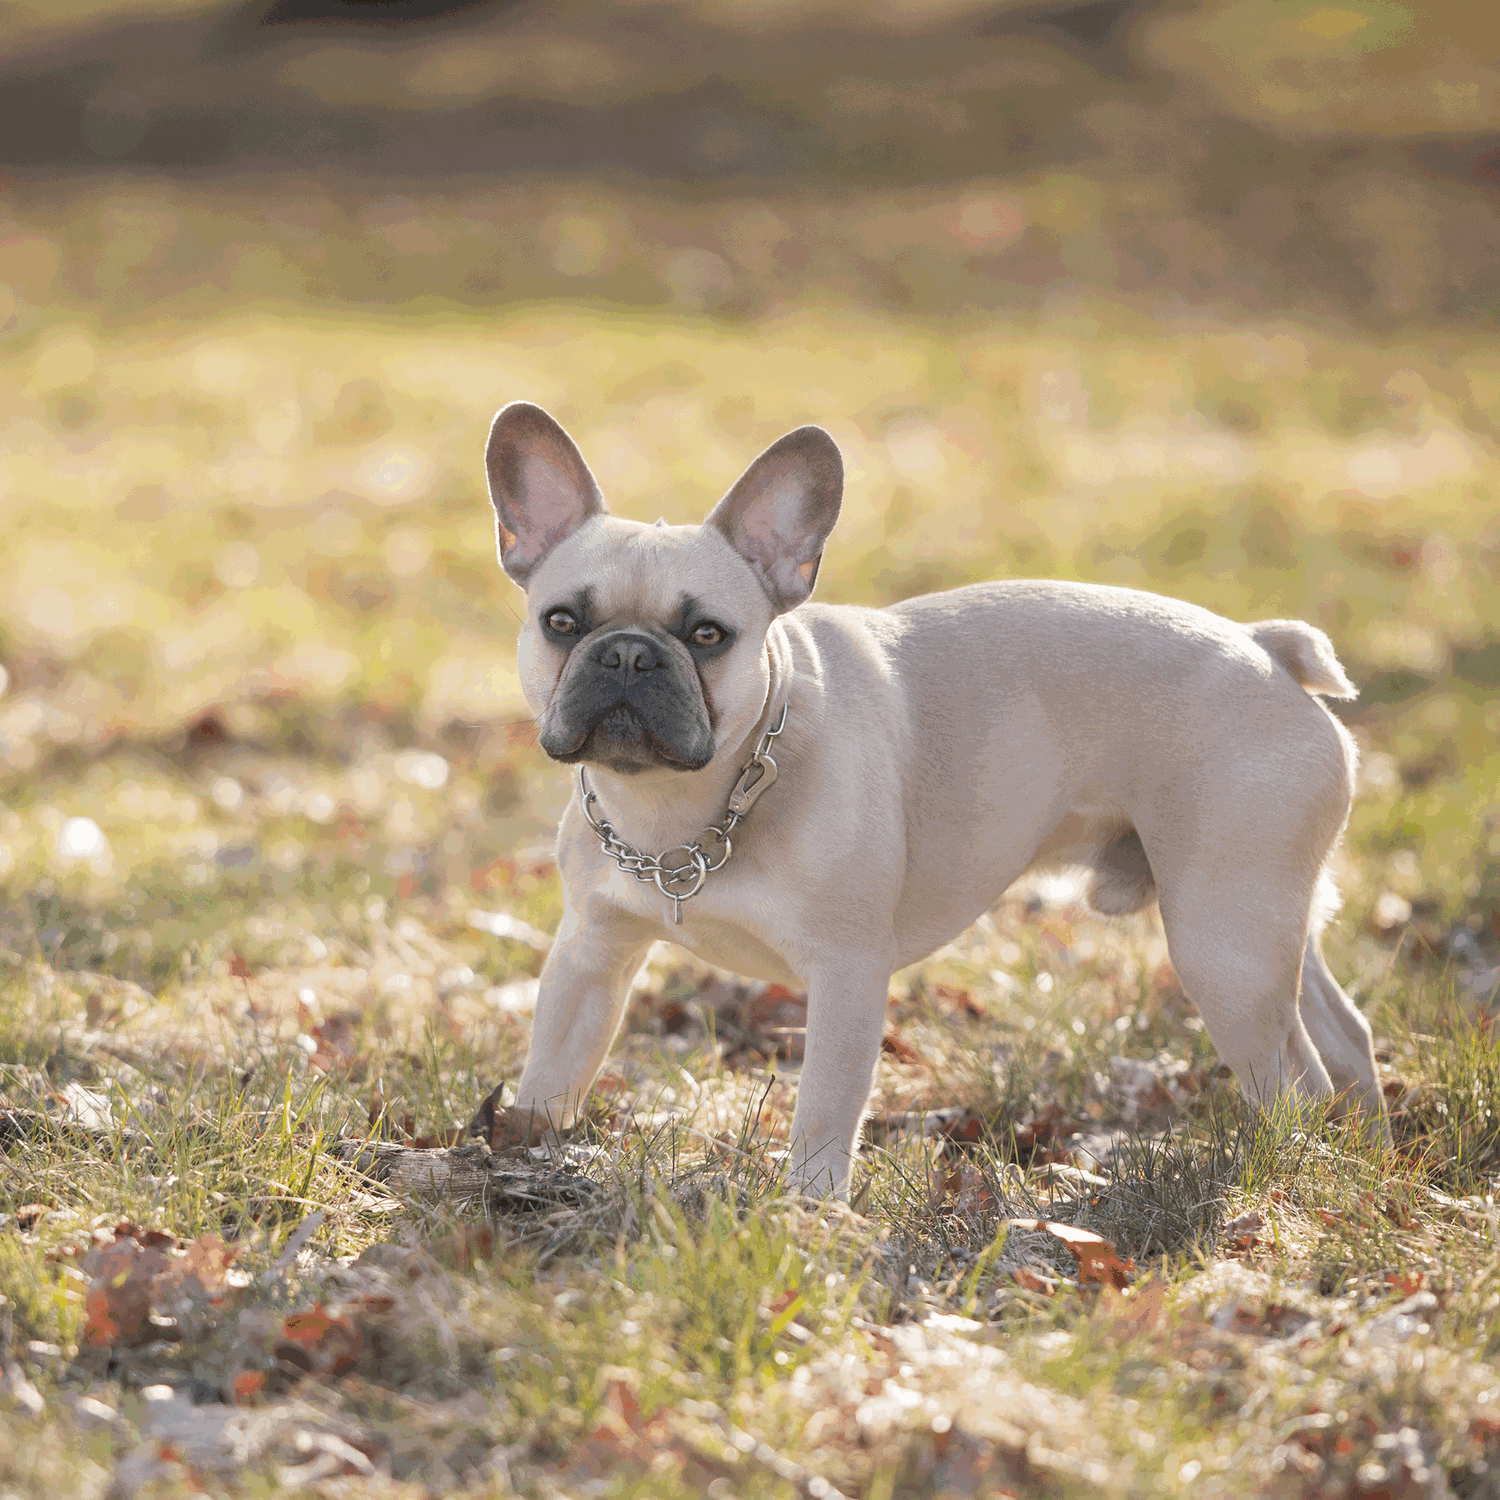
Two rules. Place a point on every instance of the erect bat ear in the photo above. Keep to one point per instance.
(780, 511)
(539, 485)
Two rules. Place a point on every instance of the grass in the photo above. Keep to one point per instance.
(264, 758)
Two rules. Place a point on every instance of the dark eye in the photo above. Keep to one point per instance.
(560, 622)
(707, 634)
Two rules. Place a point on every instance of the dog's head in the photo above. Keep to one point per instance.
(644, 646)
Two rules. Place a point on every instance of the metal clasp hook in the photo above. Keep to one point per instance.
(757, 777)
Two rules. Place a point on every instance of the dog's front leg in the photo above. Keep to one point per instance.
(845, 1022)
(579, 1004)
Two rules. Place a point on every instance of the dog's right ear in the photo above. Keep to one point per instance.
(539, 485)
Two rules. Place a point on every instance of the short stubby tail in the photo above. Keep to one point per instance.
(1306, 653)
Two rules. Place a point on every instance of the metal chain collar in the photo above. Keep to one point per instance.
(680, 880)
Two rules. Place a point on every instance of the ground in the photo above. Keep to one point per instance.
(1192, 299)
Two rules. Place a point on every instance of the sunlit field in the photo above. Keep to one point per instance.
(276, 879)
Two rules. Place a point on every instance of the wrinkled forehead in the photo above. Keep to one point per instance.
(635, 572)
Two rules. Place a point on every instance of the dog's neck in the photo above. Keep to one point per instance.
(654, 811)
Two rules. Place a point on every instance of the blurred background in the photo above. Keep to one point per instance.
(1201, 298)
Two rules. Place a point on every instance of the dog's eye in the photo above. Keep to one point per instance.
(561, 622)
(707, 634)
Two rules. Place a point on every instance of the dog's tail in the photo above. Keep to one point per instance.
(1306, 653)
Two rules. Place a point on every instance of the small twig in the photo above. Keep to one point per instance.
(299, 1237)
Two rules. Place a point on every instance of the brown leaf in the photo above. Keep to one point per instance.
(975, 1196)
(469, 1245)
(29, 1215)
(1406, 1283)
(621, 1399)
(502, 1127)
(1136, 1309)
(238, 968)
(1397, 1212)
(899, 1048)
(1098, 1260)
(494, 876)
(1033, 1280)
(247, 1386)
(1242, 1233)
(1045, 1128)
(944, 1185)
(318, 1343)
(152, 1239)
(207, 1263)
(963, 1125)
(959, 1001)
(336, 1043)
(118, 1302)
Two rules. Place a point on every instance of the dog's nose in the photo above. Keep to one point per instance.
(628, 653)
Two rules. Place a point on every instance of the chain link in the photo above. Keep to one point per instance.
(679, 880)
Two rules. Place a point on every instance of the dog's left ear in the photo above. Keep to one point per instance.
(780, 511)
(539, 485)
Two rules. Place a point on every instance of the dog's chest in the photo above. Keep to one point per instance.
(715, 925)
(730, 946)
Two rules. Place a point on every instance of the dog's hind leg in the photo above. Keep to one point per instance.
(1236, 941)
(1342, 1036)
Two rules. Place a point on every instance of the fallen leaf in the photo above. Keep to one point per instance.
(1242, 1233)
(496, 875)
(469, 1245)
(899, 1048)
(336, 1043)
(1034, 1281)
(1406, 1283)
(118, 1302)
(962, 1125)
(29, 1215)
(238, 968)
(621, 1398)
(975, 1195)
(944, 1185)
(206, 1264)
(1398, 1213)
(152, 1239)
(247, 1386)
(1098, 1260)
(319, 1343)
(1048, 1127)
(1135, 1309)
(959, 1000)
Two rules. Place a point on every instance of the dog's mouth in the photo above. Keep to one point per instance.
(621, 740)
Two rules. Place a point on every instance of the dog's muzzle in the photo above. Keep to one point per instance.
(626, 702)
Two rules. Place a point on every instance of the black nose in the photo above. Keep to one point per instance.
(628, 653)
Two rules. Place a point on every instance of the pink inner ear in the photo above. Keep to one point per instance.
(553, 503)
(774, 522)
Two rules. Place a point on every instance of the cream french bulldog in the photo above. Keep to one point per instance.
(928, 754)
